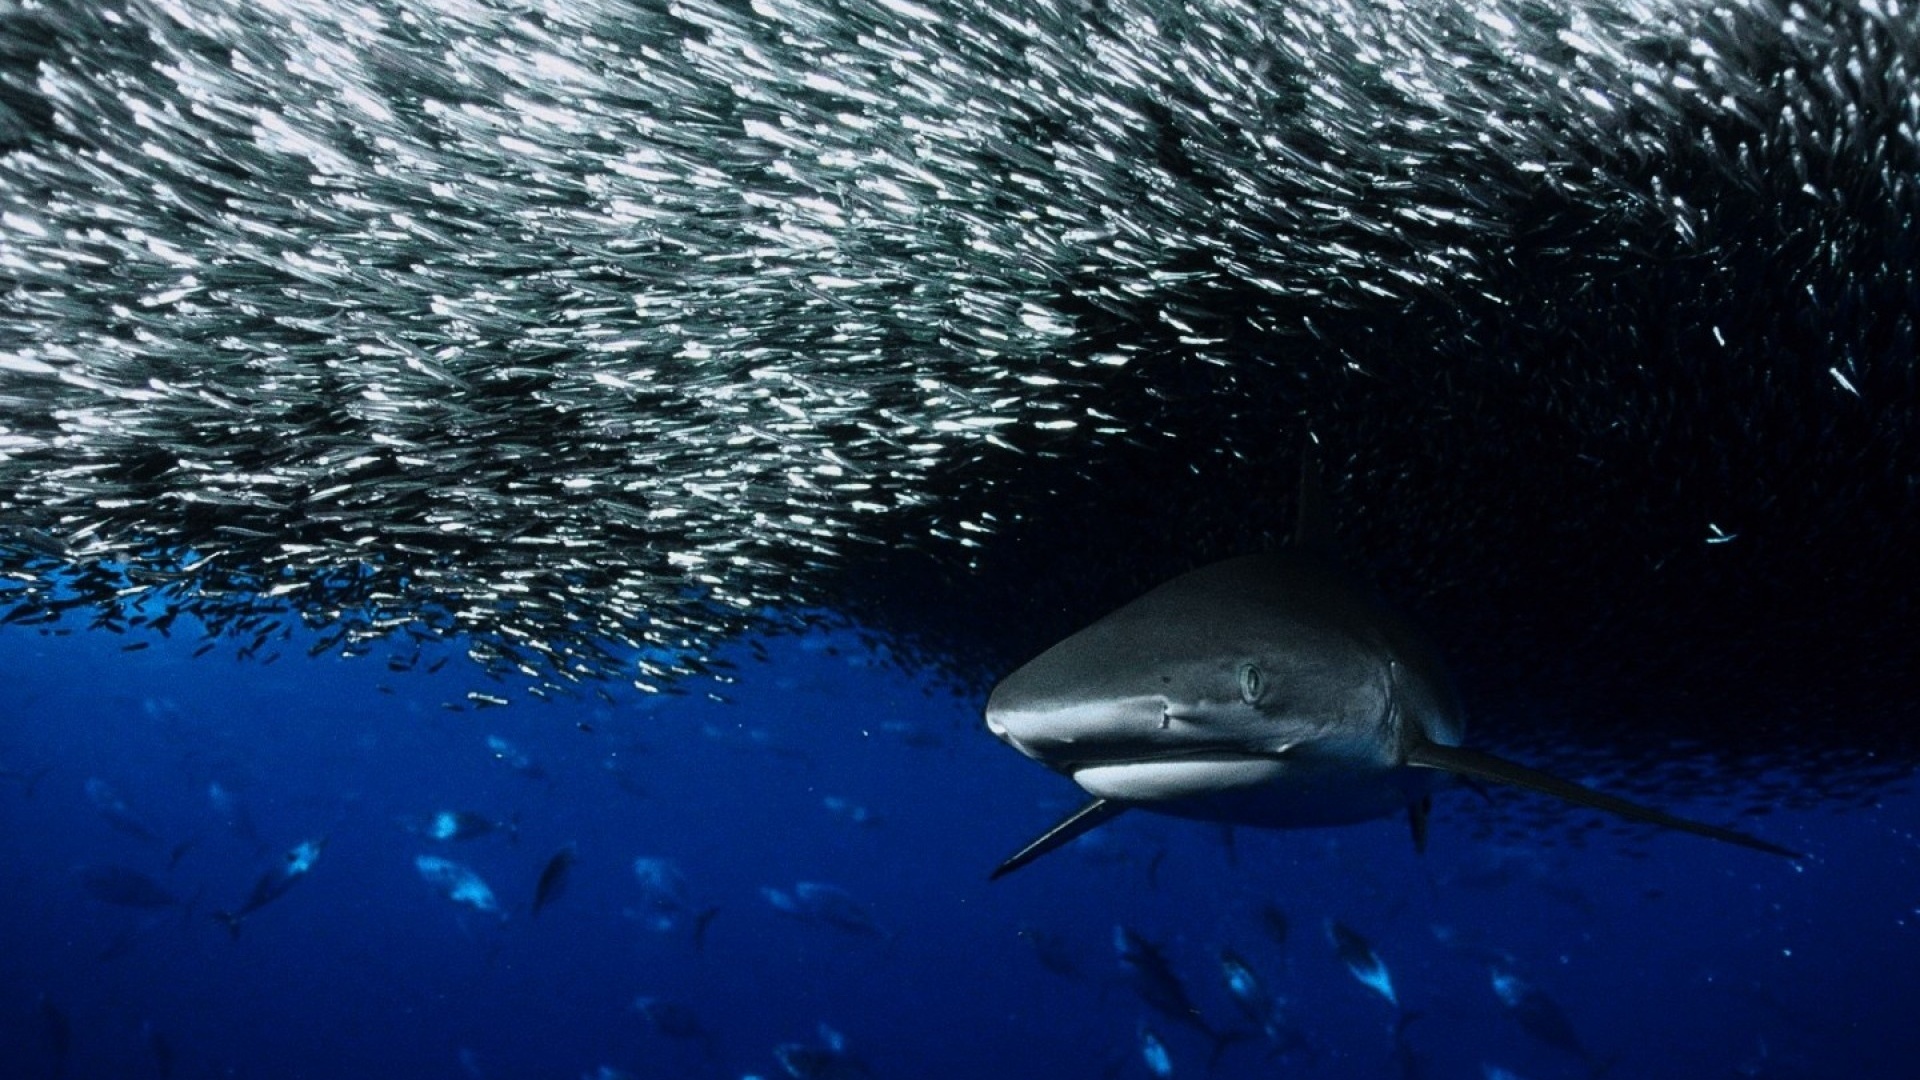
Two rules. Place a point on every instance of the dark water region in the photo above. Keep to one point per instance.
(816, 850)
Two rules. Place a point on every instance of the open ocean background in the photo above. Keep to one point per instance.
(528, 334)
(1670, 956)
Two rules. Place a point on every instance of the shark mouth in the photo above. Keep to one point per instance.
(1184, 776)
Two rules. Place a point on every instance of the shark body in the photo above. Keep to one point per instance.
(1266, 690)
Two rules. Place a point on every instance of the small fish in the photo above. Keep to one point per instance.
(827, 1061)
(1244, 987)
(1053, 952)
(701, 920)
(519, 762)
(114, 810)
(663, 887)
(459, 884)
(1159, 988)
(452, 826)
(1357, 953)
(1260, 1008)
(273, 884)
(122, 887)
(40, 542)
(849, 811)
(666, 901)
(553, 877)
(1154, 1053)
(675, 1020)
(829, 905)
(1537, 1014)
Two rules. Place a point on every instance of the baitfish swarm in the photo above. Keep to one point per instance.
(593, 331)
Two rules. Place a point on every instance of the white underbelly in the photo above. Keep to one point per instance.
(1261, 792)
(1177, 778)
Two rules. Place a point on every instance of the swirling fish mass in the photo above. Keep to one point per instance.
(589, 335)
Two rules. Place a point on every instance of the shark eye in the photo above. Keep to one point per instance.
(1252, 683)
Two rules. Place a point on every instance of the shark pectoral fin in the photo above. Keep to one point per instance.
(1071, 828)
(1476, 765)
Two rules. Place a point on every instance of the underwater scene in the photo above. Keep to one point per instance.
(320, 868)
(825, 539)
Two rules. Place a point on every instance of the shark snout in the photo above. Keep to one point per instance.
(1041, 732)
(1064, 735)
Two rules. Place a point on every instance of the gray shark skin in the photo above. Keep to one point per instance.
(1268, 690)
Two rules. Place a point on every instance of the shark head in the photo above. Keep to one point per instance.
(1228, 678)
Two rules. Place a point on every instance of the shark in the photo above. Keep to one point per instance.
(1270, 690)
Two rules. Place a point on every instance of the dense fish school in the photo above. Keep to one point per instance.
(595, 332)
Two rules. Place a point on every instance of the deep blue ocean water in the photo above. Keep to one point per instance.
(1668, 956)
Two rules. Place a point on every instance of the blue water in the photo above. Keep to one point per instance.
(1671, 956)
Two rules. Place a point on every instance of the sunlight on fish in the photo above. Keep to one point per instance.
(459, 884)
(1362, 962)
(293, 866)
